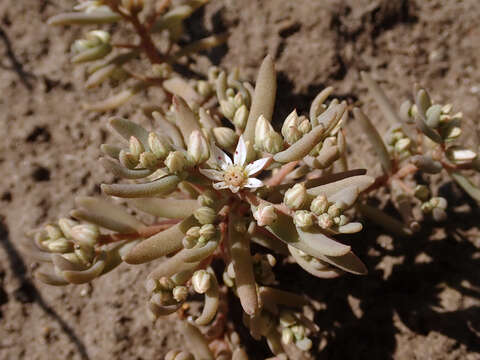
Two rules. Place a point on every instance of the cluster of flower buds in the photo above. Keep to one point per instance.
(293, 331)
(431, 205)
(70, 247)
(234, 96)
(400, 144)
(95, 46)
(319, 210)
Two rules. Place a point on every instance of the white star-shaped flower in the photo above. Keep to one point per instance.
(236, 175)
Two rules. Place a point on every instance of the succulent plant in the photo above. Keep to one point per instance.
(158, 27)
(224, 184)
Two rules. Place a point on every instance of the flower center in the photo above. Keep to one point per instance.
(235, 175)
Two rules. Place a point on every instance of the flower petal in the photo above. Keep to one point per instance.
(256, 166)
(234, 189)
(240, 155)
(212, 174)
(222, 159)
(220, 185)
(253, 183)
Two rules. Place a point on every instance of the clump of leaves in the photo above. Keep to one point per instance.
(215, 190)
(422, 140)
(147, 58)
(223, 184)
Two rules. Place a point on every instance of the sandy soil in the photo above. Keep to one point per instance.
(421, 299)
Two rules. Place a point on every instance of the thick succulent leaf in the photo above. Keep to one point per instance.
(345, 197)
(162, 186)
(51, 278)
(166, 208)
(121, 171)
(112, 151)
(169, 129)
(362, 182)
(302, 147)
(161, 244)
(375, 139)
(107, 215)
(172, 265)
(316, 106)
(185, 118)
(159, 311)
(197, 254)
(263, 99)
(196, 342)
(319, 241)
(81, 18)
(81, 277)
(285, 230)
(211, 303)
(63, 264)
(239, 249)
(180, 87)
(423, 102)
(325, 273)
(126, 129)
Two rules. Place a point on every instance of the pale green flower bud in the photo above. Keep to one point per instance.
(287, 336)
(231, 270)
(225, 137)
(159, 148)
(426, 207)
(207, 198)
(273, 143)
(238, 100)
(402, 145)
(204, 88)
(228, 280)
(287, 318)
(303, 218)
(453, 133)
(304, 344)
(438, 203)
(198, 147)
(265, 215)
(230, 93)
(298, 331)
(228, 108)
(135, 146)
(166, 283)
(201, 281)
(180, 293)
(73, 258)
(85, 254)
(194, 232)
(96, 45)
(262, 129)
(60, 245)
(189, 242)
(334, 210)
(241, 116)
(319, 205)
(53, 232)
(296, 197)
(340, 220)
(176, 161)
(66, 225)
(128, 160)
(305, 126)
(179, 355)
(325, 221)
(290, 130)
(458, 154)
(205, 215)
(85, 234)
(208, 231)
(148, 160)
(421, 192)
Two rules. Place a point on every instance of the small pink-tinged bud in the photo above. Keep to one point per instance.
(265, 215)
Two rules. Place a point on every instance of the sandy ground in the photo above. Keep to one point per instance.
(421, 298)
